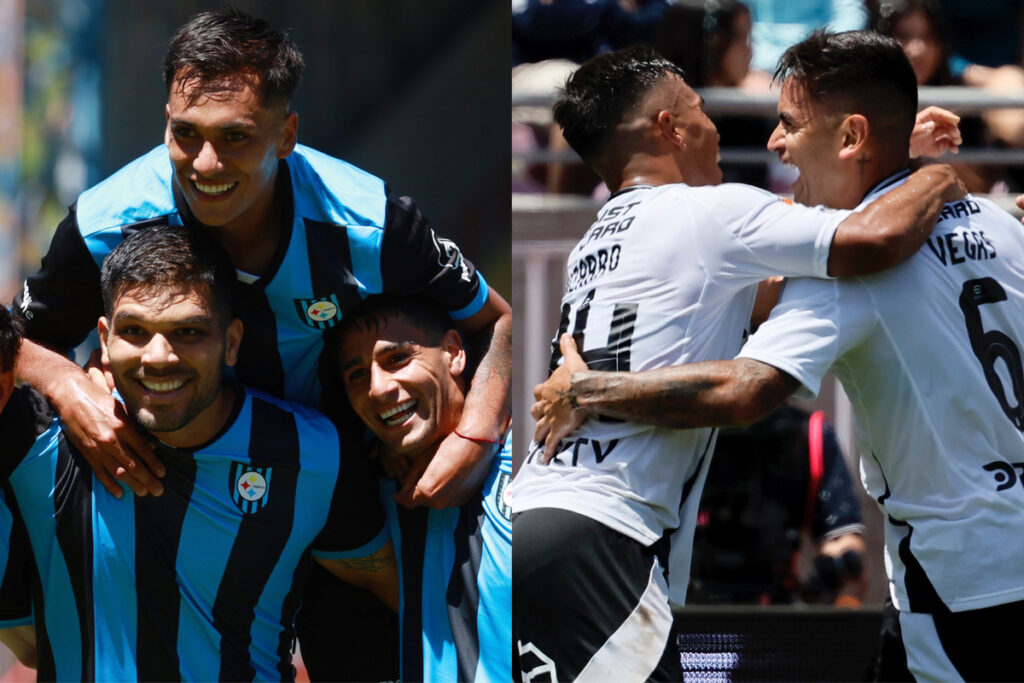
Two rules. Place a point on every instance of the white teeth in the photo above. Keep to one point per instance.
(400, 409)
(162, 387)
(213, 189)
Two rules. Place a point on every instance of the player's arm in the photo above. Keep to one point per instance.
(707, 394)
(462, 461)
(893, 227)
(377, 573)
(21, 641)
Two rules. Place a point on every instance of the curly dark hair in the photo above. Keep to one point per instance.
(10, 339)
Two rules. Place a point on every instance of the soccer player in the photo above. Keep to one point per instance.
(667, 273)
(928, 352)
(403, 366)
(310, 236)
(203, 582)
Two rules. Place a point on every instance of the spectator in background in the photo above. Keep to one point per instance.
(922, 29)
(770, 484)
(712, 46)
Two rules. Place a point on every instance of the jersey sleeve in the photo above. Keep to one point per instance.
(763, 235)
(837, 511)
(15, 570)
(807, 331)
(415, 260)
(355, 525)
(60, 304)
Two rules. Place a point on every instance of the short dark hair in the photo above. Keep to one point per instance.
(219, 44)
(10, 339)
(856, 72)
(375, 310)
(165, 256)
(603, 91)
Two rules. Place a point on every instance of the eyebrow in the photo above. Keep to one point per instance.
(394, 346)
(194, 320)
(238, 124)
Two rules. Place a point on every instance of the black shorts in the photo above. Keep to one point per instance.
(588, 603)
(976, 645)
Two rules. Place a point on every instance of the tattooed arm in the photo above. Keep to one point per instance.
(377, 573)
(708, 394)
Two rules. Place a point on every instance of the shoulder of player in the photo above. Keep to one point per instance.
(725, 202)
(26, 417)
(303, 413)
(140, 191)
(331, 190)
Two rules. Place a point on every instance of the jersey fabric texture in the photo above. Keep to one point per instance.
(929, 355)
(755, 507)
(666, 275)
(456, 595)
(344, 237)
(15, 569)
(203, 582)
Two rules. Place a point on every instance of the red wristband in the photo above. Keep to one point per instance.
(471, 438)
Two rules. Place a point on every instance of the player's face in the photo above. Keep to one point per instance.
(700, 137)
(807, 137)
(166, 348)
(402, 383)
(225, 145)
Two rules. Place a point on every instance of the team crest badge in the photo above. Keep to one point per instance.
(250, 486)
(322, 313)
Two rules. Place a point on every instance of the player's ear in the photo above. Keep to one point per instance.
(853, 132)
(6, 387)
(289, 134)
(103, 329)
(455, 352)
(232, 340)
(666, 126)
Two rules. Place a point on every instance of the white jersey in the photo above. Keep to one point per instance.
(929, 353)
(665, 275)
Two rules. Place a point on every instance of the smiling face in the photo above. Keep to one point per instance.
(920, 42)
(807, 137)
(225, 144)
(403, 383)
(166, 349)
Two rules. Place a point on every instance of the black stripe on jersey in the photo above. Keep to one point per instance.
(463, 595)
(262, 535)
(920, 592)
(292, 601)
(259, 361)
(330, 264)
(158, 524)
(413, 524)
(72, 498)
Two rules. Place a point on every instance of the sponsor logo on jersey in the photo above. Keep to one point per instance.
(536, 666)
(26, 301)
(250, 486)
(449, 256)
(321, 313)
(504, 500)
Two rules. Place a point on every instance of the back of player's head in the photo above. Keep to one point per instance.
(169, 256)
(603, 92)
(856, 72)
(10, 339)
(219, 44)
(375, 312)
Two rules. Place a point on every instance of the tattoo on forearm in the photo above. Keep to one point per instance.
(377, 562)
